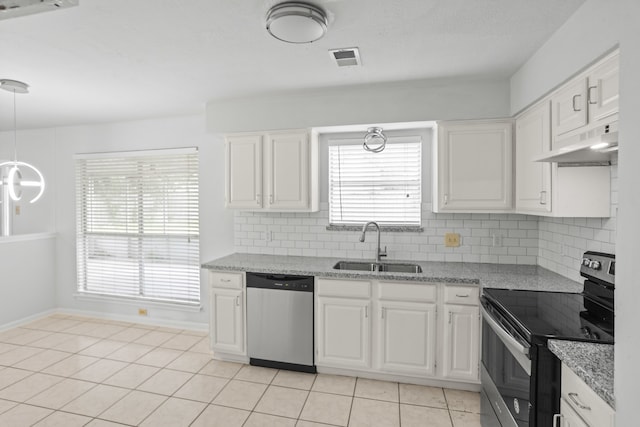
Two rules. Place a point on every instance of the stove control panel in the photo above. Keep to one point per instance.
(600, 266)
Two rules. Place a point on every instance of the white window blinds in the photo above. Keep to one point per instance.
(138, 225)
(383, 187)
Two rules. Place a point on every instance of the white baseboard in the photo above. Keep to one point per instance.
(431, 382)
(28, 319)
(178, 324)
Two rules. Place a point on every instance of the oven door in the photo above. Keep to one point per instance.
(506, 371)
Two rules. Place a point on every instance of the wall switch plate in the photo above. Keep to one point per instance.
(142, 312)
(452, 240)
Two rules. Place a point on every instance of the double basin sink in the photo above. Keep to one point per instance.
(374, 266)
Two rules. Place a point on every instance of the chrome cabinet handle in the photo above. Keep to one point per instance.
(225, 280)
(574, 399)
(258, 198)
(543, 197)
(573, 101)
(462, 295)
(366, 311)
(446, 199)
(238, 300)
(589, 97)
(556, 417)
(382, 313)
(450, 314)
(270, 199)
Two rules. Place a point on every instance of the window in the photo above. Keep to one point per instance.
(138, 225)
(383, 187)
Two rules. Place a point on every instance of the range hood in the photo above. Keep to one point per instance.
(594, 146)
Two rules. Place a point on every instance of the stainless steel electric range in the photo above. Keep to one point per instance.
(520, 376)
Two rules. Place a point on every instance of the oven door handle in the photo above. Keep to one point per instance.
(519, 351)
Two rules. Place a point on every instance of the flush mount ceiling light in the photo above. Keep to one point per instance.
(15, 8)
(296, 22)
(374, 135)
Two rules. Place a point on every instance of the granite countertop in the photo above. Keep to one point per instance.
(593, 363)
(529, 277)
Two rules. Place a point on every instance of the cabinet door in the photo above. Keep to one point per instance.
(461, 339)
(243, 187)
(533, 179)
(475, 167)
(343, 335)
(569, 417)
(227, 324)
(569, 108)
(407, 338)
(288, 170)
(604, 90)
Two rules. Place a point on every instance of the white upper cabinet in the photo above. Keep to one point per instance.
(473, 169)
(243, 187)
(589, 100)
(533, 179)
(603, 93)
(570, 107)
(275, 171)
(287, 169)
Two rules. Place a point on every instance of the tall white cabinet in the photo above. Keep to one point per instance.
(473, 170)
(271, 171)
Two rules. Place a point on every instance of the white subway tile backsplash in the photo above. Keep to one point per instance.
(553, 243)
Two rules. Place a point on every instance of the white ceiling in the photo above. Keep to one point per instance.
(111, 60)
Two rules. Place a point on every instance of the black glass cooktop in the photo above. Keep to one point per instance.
(540, 315)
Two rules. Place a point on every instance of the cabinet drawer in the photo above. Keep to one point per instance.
(226, 280)
(407, 292)
(584, 401)
(466, 295)
(343, 288)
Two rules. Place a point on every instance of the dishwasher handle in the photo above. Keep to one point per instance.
(283, 282)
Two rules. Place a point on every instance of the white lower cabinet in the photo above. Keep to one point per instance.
(226, 327)
(407, 338)
(461, 342)
(401, 336)
(344, 332)
(580, 406)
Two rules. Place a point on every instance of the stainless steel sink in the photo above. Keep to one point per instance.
(382, 267)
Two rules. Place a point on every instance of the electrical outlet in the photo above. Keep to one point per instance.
(17, 209)
(497, 240)
(452, 240)
(142, 312)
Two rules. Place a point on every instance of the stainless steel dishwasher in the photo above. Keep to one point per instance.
(280, 321)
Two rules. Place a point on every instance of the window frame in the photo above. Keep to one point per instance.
(188, 229)
(350, 140)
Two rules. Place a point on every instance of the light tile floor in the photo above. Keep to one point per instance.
(71, 371)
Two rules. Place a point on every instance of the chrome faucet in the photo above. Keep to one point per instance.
(379, 252)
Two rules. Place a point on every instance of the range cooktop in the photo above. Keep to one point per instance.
(541, 315)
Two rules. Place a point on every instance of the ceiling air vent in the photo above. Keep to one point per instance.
(15, 8)
(348, 57)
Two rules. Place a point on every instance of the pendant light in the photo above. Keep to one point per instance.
(374, 135)
(15, 182)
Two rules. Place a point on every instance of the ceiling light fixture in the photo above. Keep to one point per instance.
(373, 134)
(14, 181)
(296, 22)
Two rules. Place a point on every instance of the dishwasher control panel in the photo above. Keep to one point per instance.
(278, 281)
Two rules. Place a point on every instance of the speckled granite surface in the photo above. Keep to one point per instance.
(510, 276)
(593, 363)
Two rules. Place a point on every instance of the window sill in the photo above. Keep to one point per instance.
(175, 306)
(387, 228)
